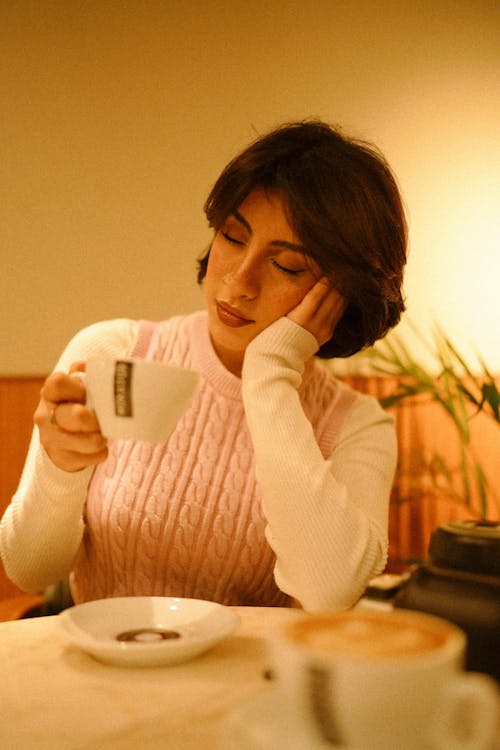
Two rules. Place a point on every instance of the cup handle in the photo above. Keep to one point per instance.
(468, 716)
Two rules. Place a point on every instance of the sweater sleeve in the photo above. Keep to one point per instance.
(42, 528)
(327, 519)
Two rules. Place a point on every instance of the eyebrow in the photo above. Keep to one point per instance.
(274, 243)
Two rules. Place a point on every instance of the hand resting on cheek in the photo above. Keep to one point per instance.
(320, 310)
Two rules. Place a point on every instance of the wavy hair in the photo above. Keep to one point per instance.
(343, 203)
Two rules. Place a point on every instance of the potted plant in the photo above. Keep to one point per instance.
(459, 577)
(462, 392)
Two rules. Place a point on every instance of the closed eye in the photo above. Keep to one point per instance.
(291, 271)
(232, 239)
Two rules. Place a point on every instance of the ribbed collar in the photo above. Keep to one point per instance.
(206, 361)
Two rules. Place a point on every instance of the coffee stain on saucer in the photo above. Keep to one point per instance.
(147, 635)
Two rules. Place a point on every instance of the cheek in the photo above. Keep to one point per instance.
(218, 265)
(286, 296)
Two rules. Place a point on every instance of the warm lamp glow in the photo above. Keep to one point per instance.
(473, 300)
(453, 277)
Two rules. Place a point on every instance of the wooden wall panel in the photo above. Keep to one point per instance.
(18, 400)
(417, 505)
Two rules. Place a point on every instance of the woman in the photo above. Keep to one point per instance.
(274, 486)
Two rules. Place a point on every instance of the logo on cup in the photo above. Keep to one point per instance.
(123, 388)
(320, 690)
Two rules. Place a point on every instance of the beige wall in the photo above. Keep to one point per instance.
(117, 116)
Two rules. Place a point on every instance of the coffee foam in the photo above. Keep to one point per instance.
(371, 635)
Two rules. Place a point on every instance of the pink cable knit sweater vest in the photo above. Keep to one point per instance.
(184, 518)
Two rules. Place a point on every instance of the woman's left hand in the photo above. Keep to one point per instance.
(320, 310)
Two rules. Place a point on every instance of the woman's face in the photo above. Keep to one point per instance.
(257, 272)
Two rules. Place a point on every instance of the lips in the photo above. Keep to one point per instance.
(231, 316)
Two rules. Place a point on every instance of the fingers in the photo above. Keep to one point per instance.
(323, 301)
(320, 310)
(69, 431)
(61, 387)
(85, 443)
(71, 416)
(331, 307)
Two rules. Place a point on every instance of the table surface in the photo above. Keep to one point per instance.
(53, 695)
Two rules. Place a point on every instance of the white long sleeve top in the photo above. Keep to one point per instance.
(325, 517)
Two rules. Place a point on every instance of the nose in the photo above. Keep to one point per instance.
(243, 279)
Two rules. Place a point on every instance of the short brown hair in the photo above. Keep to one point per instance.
(344, 205)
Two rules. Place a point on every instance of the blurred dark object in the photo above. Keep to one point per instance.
(461, 582)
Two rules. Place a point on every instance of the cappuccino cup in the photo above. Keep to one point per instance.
(137, 399)
(382, 680)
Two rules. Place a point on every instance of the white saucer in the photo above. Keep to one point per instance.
(144, 631)
(266, 723)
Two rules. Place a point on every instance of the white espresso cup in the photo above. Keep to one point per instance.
(382, 680)
(137, 399)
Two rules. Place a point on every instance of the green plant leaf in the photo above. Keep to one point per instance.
(483, 486)
(458, 390)
(492, 397)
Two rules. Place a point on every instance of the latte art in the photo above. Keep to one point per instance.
(370, 635)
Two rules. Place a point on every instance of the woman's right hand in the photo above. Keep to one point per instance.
(69, 432)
